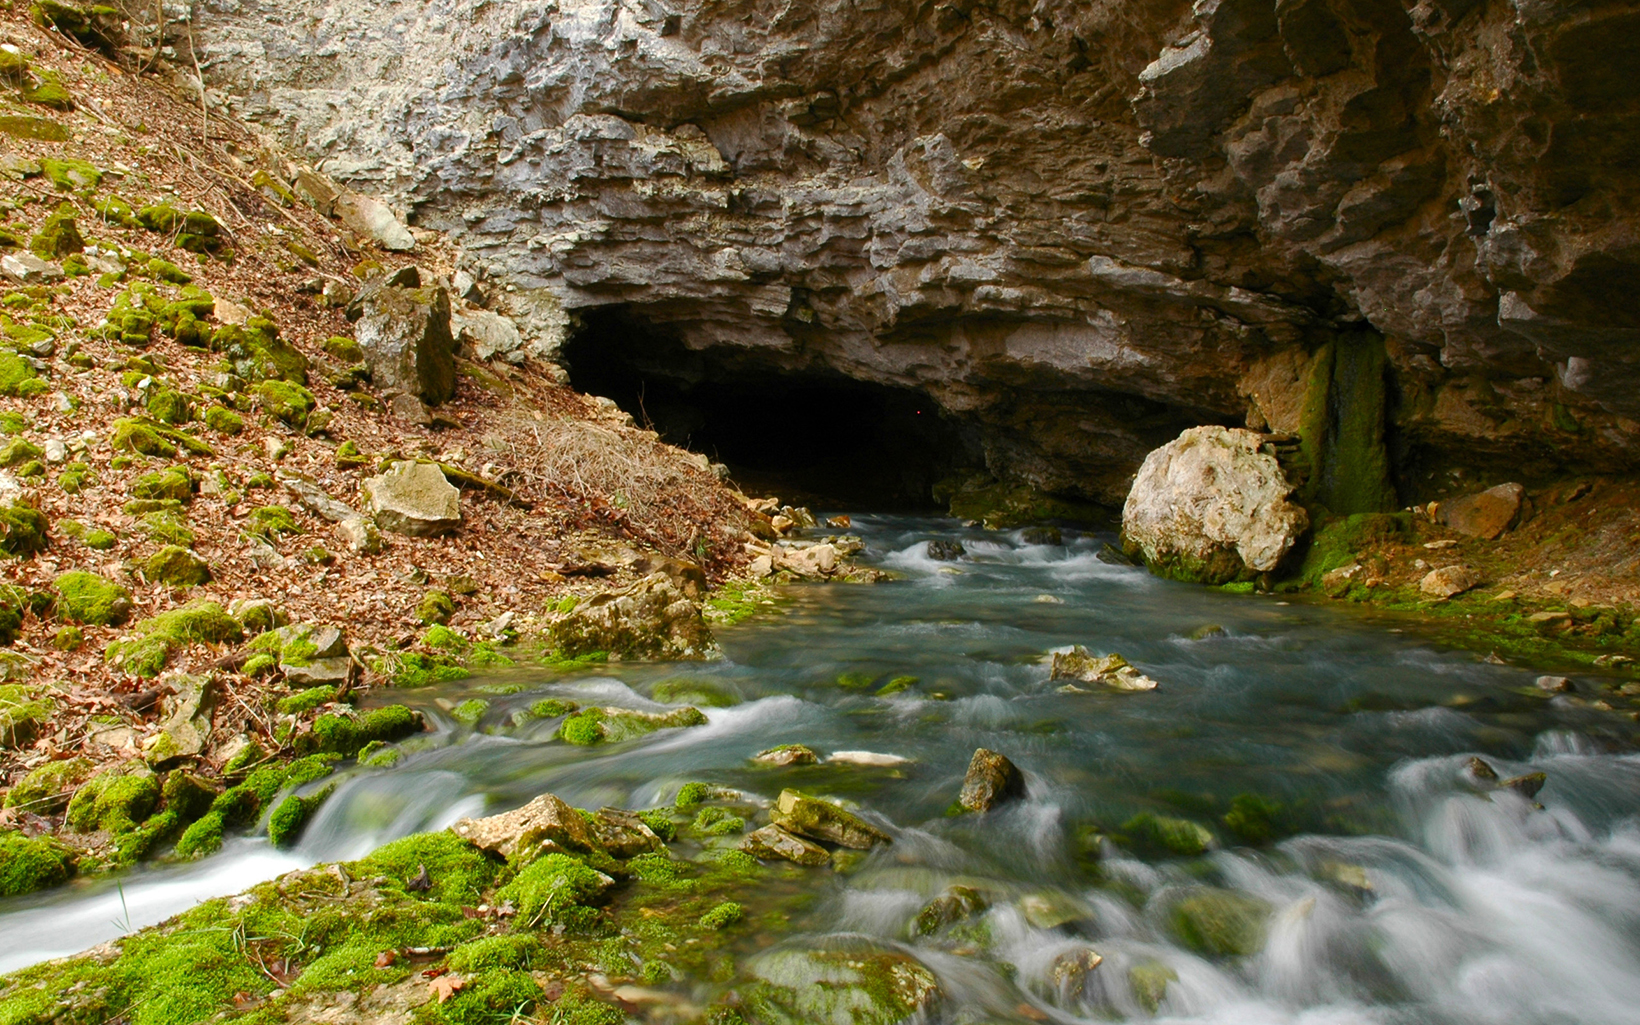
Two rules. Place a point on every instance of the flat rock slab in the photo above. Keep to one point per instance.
(319, 672)
(772, 842)
(808, 816)
(413, 499)
(546, 822)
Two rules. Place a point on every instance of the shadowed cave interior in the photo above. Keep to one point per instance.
(813, 437)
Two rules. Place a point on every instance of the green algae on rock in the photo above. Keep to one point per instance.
(1221, 923)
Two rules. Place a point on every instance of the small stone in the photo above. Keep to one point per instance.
(409, 409)
(276, 448)
(1526, 785)
(772, 842)
(787, 754)
(1449, 581)
(867, 759)
(1070, 970)
(991, 780)
(499, 627)
(1555, 684)
(946, 551)
(325, 641)
(56, 451)
(413, 499)
(1481, 770)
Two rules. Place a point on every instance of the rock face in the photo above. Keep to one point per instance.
(405, 335)
(652, 619)
(1144, 216)
(991, 780)
(414, 499)
(1212, 507)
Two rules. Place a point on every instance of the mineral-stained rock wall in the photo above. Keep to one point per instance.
(1080, 224)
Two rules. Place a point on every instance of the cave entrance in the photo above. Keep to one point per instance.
(811, 437)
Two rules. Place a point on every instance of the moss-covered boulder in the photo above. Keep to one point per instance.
(176, 566)
(173, 483)
(1175, 836)
(223, 420)
(152, 438)
(259, 354)
(28, 864)
(49, 91)
(271, 522)
(23, 714)
(556, 890)
(58, 236)
(286, 402)
(47, 789)
(88, 598)
(18, 451)
(18, 378)
(1222, 923)
(115, 802)
(169, 406)
(22, 530)
(152, 641)
(797, 812)
(611, 725)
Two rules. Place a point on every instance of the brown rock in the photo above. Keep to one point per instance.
(1526, 785)
(787, 754)
(545, 822)
(1487, 514)
(1449, 581)
(797, 812)
(623, 834)
(772, 842)
(991, 780)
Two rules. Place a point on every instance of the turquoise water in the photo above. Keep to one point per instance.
(1400, 890)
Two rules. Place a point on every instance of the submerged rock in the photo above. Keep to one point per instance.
(991, 780)
(787, 754)
(545, 824)
(651, 619)
(1221, 923)
(954, 905)
(855, 985)
(946, 551)
(772, 842)
(799, 813)
(414, 499)
(1212, 507)
(1111, 671)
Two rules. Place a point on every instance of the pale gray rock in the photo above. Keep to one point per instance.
(28, 269)
(545, 824)
(405, 335)
(414, 499)
(488, 334)
(1211, 506)
(360, 534)
(373, 219)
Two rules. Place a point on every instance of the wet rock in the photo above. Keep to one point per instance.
(651, 619)
(1222, 923)
(808, 816)
(857, 985)
(772, 842)
(787, 754)
(1148, 980)
(1555, 684)
(414, 499)
(187, 726)
(991, 780)
(545, 825)
(956, 904)
(867, 759)
(1212, 507)
(1050, 909)
(1070, 970)
(810, 562)
(1481, 770)
(1450, 581)
(405, 335)
(946, 551)
(1042, 536)
(1487, 514)
(622, 834)
(687, 576)
(1526, 785)
(371, 219)
(1111, 671)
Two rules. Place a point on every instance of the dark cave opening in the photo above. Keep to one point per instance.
(812, 437)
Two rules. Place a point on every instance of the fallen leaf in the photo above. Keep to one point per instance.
(386, 958)
(446, 986)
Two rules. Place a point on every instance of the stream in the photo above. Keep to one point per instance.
(1402, 890)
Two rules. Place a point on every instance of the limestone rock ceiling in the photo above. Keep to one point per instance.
(1082, 225)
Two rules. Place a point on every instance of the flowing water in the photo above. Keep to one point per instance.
(1402, 892)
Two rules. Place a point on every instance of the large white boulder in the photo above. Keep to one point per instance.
(1211, 507)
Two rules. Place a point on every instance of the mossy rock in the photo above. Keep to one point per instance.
(1176, 836)
(49, 91)
(152, 438)
(167, 528)
(30, 864)
(436, 608)
(17, 377)
(224, 421)
(169, 406)
(176, 566)
(344, 349)
(114, 210)
(115, 802)
(348, 456)
(18, 451)
(858, 984)
(23, 530)
(47, 789)
(287, 820)
(700, 693)
(286, 402)
(98, 540)
(152, 641)
(70, 175)
(59, 236)
(96, 26)
(22, 715)
(165, 270)
(39, 129)
(1221, 923)
(90, 599)
(257, 353)
(271, 522)
(174, 483)
(556, 890)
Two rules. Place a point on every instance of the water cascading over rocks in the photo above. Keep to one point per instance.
(1403, 232)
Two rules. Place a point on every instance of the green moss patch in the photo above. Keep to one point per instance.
(87, 598)
(30, 864)
(153, 641)
(176, 566)
(22, 530)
